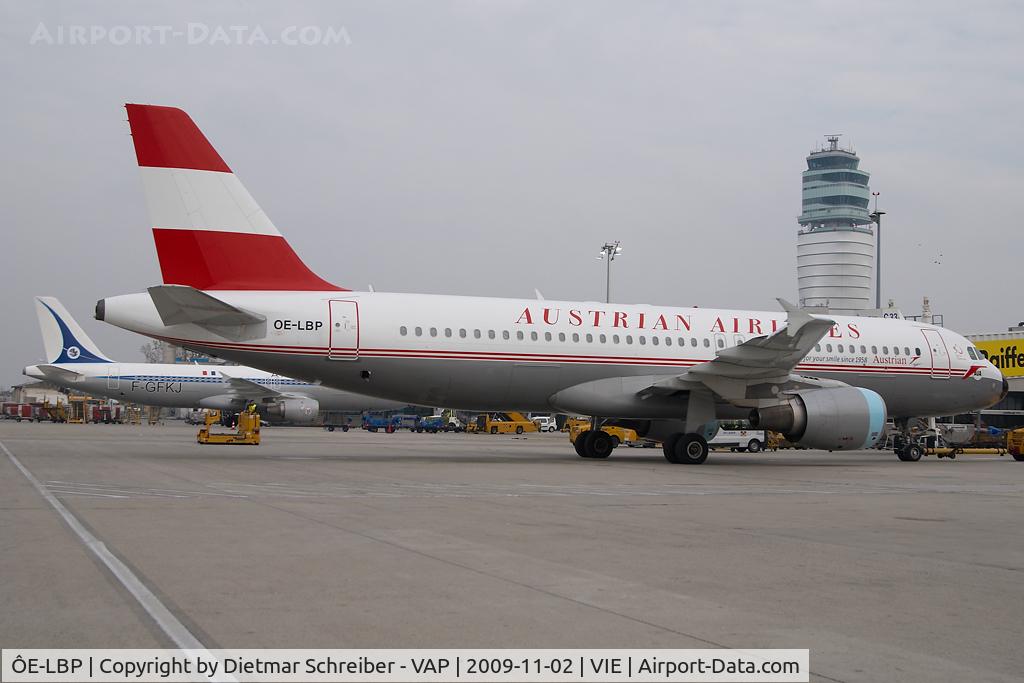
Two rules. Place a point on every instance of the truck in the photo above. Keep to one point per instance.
(373, 423)
(504, 423)
(1015, 444)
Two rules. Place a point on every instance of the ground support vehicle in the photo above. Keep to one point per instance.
(247, 434)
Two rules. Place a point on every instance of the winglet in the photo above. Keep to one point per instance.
(796, 317)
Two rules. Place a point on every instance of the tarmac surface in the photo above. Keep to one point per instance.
(884, 570)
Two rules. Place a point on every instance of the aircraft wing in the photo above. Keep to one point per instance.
(759, 369)
(247, 388)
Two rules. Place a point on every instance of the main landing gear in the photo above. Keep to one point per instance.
(685, 449)
(594, 443)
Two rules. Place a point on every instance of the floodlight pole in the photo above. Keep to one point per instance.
(608, 252)
(877, 218)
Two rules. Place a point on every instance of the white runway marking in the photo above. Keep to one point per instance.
(167, 622)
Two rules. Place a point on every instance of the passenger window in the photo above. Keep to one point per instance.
(576, 337)
(917, 352)
(817, 347)
(693, 341)
(520, 336)
(668, 341)
(403, 330)
(874, 350)
(462, 332)
(885, 350)
(682, 342)
(642, 339)
(629, 339)
(433, 331)
(476, 334)
(419, 331)
(590, 339)
(447, 331)
(504, 334)
(615, 339)
(906, 350)
(721, 343)
(547, 336)
(490, 334)
(840, 348)
(561, 336)
(862, 349)
(603, 338)
(895, 350)
(828, 347)
(533, 336)
(707, 342)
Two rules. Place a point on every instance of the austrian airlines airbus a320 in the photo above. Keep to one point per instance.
(234, 287)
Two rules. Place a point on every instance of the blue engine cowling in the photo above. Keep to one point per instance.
(833, 419)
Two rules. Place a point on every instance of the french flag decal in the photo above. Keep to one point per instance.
(209, 232)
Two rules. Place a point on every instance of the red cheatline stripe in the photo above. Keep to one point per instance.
(167, 137)
(214, 260)
(496, 356)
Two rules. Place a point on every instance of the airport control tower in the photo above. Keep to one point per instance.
(835, 248)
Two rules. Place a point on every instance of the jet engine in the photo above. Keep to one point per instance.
(834, 419)
(299, 411)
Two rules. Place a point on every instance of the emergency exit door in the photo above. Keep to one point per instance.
(344, 334)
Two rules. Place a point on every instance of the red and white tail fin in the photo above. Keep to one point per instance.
(209, 231)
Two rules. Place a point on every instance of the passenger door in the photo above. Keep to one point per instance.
(344, 330)
(114, 377)
(939, 354)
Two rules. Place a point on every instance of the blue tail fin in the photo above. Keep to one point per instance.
(63, 339)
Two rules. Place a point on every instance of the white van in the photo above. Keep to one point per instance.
(545, 423)
(750, 440)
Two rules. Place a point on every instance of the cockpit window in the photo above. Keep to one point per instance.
(972, 353)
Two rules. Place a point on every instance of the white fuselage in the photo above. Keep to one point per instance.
(196, 386)
(495, 354)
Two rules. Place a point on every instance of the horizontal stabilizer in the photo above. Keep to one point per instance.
(59, 375)
(181, 305)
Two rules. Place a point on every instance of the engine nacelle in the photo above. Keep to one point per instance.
(299, 411)
(834, 419)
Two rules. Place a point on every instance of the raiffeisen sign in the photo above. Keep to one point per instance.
(1006, 352)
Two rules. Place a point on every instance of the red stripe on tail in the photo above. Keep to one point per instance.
(207, 259)
(166, 137)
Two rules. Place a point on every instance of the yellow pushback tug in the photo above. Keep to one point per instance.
(248, 433)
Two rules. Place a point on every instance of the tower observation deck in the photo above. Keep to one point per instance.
(835, 248)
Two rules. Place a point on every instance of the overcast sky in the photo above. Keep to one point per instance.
(491, 147)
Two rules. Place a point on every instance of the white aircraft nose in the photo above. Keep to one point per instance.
(33, 371)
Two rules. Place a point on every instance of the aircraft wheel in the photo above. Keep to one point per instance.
(754, 446)
(911, 453)
(578, 445)
(597, 444)
(691, 449)
(668, 446)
